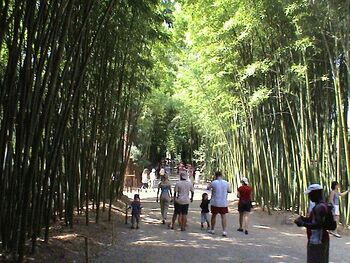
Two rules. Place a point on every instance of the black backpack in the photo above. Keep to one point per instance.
(329, 223)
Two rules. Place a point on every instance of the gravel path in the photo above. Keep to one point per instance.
(270, 239)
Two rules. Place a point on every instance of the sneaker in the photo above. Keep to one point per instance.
(337, 235)
(246, 232)
(132, 227)
(240, 229)
(211, 231)
(163, 221)
(224, 233)
(137, 227)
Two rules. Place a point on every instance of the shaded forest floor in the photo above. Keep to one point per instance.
(68, 245)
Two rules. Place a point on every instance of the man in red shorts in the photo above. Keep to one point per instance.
(219, 190)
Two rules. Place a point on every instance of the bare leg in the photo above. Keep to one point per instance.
(223, 222)
(240, 219)
(179, 220)
(213, 221)
(183, 222)
(336, 220)
(173, 220)
(246, 220)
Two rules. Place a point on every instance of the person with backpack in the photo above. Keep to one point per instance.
(317, 223)
(334, 196)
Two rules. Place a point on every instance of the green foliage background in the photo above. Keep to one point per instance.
(265, 86)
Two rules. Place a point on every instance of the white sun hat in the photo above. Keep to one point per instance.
(313, 187)
(245, 180)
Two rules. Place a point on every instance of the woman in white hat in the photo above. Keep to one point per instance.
(244, 205)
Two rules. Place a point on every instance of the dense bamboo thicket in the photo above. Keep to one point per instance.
(73, 78)
(267, 85)
(256, 88)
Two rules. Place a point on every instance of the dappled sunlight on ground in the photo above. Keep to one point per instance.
(149, 220)
(65, 236)
(224, 259)
(285, 257)
(270, 240)
(292, 234)
(261, 227)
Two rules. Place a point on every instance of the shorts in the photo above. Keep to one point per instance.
(218, 210)
(204, 217)
(244, 206)
(336, 211)
(180, 209)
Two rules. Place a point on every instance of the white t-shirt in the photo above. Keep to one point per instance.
(183, 188)
(219, 189)
(197, 176)
(144, 178)
(152, 176)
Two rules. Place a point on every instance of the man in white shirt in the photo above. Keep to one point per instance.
(219, 204)
(182, 200)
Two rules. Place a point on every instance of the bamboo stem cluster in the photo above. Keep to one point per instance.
(270, 83)
(73, 78)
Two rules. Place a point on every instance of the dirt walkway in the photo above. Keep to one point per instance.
(271, 239)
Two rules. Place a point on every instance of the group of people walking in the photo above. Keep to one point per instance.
(321, 220)
(183, 196)
(148, 178)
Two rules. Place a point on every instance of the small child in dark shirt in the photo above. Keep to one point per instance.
(205, 211)
(135, 211)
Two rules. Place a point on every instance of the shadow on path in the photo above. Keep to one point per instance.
(266, 242)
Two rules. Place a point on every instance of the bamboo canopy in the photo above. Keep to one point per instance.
(254, 88)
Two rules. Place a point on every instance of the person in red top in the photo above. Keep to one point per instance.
(318, 237)
(244, 205)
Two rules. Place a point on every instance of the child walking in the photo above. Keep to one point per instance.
(135, 211)
(205, 211)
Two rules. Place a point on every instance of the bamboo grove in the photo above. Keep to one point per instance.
(74, 75)
(267, 84)
(254, 88)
